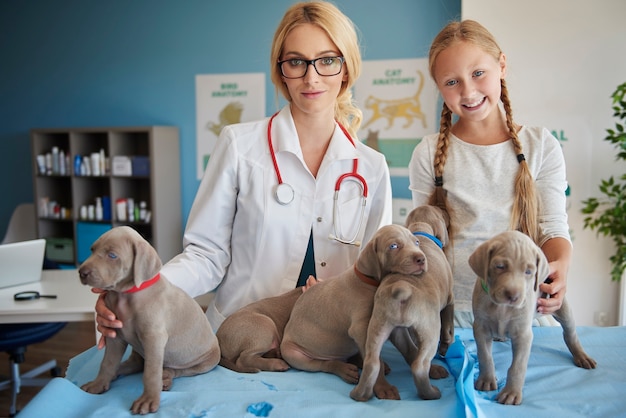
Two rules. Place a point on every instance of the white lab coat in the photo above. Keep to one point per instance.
(242, 243)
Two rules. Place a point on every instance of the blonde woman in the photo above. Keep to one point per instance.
(265, 216)
(488, 172)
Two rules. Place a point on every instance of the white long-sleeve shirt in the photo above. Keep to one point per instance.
(479, 181)
(242, 243)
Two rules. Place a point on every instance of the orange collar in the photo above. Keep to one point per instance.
(366, 279)
(144, 285)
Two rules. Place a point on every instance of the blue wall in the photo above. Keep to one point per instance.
(73, 63)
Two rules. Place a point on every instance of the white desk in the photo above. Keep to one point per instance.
(74, 302)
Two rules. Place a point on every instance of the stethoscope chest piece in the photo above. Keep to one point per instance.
(284, 193)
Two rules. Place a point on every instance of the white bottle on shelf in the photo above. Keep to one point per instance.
(98, 208)
(130, 202)
(55, 160)
(95, 164)
(102, 162)
(61, 162)
(143, 209)
(48, 163)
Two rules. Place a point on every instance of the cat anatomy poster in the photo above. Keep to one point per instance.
(399, 104)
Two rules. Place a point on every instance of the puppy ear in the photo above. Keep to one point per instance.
(147, 262)
(412, 226)
(441, 231)
(479, 259)
(369, 261)
(543, 268)
(440, 224)
(445, 216)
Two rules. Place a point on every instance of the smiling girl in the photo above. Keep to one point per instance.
(489, 173)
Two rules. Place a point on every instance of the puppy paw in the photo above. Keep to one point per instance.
(273, 365)
(510, 396)
(485, 383)
(347, 371)
(443, 349)
(437, 372)
(386, 368)
(361, 392)
(168, 378)
(96, 386)
(145, 404)
(430, 393)
(386, 391)
(585, 361)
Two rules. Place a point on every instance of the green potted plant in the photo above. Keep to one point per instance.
(607, 215)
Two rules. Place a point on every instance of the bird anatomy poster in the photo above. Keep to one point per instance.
(224, 99)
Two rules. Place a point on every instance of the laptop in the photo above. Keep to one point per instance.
(21, 262)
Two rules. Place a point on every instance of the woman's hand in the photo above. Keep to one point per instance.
(310, 281)
(105, 319)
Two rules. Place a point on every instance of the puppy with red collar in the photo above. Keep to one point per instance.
(167, 329)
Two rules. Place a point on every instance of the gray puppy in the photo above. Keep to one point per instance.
(411, 310)
(167, 329)
(250, 338)
(328, 323)
(510, 267)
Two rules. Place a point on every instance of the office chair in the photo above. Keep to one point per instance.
(15, 338)
(22, 224)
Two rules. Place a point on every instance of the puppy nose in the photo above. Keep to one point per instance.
(512, 296)
(420, 259)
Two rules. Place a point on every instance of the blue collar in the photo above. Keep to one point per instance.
(432, 238)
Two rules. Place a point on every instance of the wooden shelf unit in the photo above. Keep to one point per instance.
(152, 177)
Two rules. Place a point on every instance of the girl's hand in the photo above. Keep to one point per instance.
(105, 319)
(554, 288)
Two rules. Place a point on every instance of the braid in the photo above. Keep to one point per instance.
(444, 140)
(525, 204)
(438, 197)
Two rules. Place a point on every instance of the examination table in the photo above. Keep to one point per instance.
(554, 387)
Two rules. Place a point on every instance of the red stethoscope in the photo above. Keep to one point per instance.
(285, 194)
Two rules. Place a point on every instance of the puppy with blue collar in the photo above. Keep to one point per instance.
(414, 311)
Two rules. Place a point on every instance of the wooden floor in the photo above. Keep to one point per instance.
(75, 338)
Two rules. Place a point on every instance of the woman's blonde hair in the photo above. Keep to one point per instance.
(525, 205)
(342, 32)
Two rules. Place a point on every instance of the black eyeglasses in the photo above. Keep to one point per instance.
(324, 66)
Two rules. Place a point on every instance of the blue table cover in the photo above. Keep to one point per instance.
(554, 387)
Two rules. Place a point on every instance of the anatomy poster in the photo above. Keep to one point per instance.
(224, 99)
(399, 104)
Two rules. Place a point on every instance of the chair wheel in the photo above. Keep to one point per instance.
(56, 372)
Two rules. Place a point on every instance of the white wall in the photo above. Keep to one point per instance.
(565, 58)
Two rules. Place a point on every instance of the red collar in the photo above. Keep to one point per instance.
(365, 279)
(144, 285)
